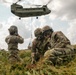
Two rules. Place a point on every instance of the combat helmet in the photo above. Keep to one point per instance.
(47, 28)
(13, 30)
(37, 32)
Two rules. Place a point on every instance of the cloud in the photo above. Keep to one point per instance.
(1, 25)
(60, 8)
(3, 34)
(63, 8)
(65, 11)
(24, 29)
(72, 32)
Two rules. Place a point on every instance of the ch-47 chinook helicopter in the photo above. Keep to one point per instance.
(21, 12)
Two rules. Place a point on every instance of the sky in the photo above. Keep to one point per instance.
(62, 18)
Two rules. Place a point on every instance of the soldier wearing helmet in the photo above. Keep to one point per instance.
(12, 40)
(47, 31)
(35, 55)
(59, 45)
(13, 30)
(38, 33)
(39, 45)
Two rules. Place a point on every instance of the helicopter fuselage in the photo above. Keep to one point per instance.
(19, 11)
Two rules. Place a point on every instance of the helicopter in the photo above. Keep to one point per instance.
(21, 12)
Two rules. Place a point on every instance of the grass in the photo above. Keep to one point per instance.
(41, 68)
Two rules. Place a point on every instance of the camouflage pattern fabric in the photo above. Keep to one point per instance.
(39, 47)
(12, 41)
(59, 55)
(35, 55)
(35, 51)
(13, 56)
(61, 48)
(59, 40)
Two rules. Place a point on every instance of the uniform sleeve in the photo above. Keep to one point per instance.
(34, 43)
(7, 39)
(20, 39)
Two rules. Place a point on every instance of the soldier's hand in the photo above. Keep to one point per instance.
(32, 54)
(33, 58)
(18, 35)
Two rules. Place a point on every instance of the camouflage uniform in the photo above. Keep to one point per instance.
(60, 47)
(12, 40)
(38, 45)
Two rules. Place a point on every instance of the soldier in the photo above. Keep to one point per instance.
(60, 46)
(38, 45)
(35, 51)
(12, 40)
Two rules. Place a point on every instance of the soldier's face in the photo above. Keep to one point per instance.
(47, 35)
(40, 36)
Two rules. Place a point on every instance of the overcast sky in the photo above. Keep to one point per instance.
(62, 18)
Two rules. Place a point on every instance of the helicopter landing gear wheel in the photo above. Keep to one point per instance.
(19, 18)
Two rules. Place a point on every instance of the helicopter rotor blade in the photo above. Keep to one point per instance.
(49, 2)
(6, 1)
(11, 2)
(18, 1)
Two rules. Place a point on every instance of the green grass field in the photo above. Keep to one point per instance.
(41, 68)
